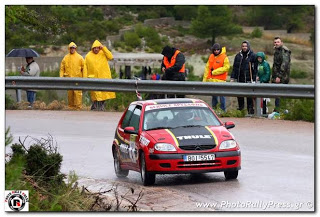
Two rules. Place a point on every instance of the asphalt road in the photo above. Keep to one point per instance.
(277, 163)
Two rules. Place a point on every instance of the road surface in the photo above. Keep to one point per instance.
(277, 163)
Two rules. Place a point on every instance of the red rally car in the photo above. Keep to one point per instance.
(174, 136)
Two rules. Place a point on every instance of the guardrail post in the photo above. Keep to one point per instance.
(18, 95)
(258, 107)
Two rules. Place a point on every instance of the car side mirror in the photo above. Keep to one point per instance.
(229, 124)
(130, 130)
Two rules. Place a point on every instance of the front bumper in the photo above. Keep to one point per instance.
(174, 163)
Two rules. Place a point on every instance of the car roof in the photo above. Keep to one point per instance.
(168, 101)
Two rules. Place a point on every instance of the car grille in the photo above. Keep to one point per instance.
(199, 164)
(197, 147)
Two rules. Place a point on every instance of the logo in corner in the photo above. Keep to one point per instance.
(16, 200)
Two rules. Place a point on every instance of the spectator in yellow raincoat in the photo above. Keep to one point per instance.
(216, 70)
(72, 66)
(96, 66)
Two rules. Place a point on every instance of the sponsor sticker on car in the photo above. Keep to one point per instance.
(162, 106)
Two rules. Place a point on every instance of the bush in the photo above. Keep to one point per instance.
(121, 102)
(165, 39)
(230, 70)
(185, 12)
(182, 31)
(10, 103)
(204, 59)
(303, 55)
(256, 33)
(50, 74)
(13, 173)
(18, 151)
(8, 137)
(268, 49)
(298, 109)
(47, 96)
(125, 20)
(13, 74)
(193, 77)
(132, 39)
(298, 74)
(120, 44)
(151, 37)
(143, 15)
(232, 113)
(44, 164)
(47, 192)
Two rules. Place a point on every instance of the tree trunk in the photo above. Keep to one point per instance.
(213, 40)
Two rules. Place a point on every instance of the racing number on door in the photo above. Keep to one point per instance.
(133, 153)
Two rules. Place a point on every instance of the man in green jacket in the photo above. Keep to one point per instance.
(281, 66)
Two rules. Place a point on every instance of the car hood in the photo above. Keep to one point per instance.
(185, 136)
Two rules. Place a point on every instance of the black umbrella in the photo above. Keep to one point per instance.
(23, 52)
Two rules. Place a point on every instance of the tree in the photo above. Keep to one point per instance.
(185, 12)
(213, 21)
(34, 17)
(296, 16)
(292, 18)
(27, 25)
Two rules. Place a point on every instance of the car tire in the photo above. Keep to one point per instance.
(117, 168)
(146, 177)
(231, 174)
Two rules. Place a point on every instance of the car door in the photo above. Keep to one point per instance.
(124, 143)
(132, 139)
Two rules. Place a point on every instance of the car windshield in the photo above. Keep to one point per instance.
(174, 117)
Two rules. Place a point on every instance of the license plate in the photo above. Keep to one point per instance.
(203, 157)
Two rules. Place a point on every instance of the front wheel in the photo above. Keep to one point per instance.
(117, 168)
(146, 177)
(231, 174)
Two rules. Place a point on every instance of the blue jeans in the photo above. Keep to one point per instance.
(222, 102)
(31, 96)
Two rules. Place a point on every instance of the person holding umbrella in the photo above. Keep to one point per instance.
(31, 69)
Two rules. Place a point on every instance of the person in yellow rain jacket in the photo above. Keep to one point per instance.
(96, 66)
(216, 70)
(72, 66)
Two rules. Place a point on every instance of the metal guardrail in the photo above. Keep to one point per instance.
(164, 87)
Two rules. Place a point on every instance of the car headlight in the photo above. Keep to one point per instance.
(228, 144)
(164, 147)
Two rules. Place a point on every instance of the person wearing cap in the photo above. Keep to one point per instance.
(216, 70)
(173, 66)
(31, 69)
(72, 67)
(96, 66)
(244, 71)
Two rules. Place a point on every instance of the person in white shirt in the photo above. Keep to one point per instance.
(31, 69)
